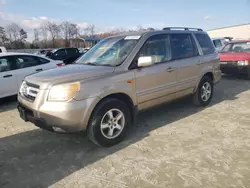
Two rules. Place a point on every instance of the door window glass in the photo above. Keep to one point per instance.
(26, 61)
(60, 53)
(182, 46)
(71, 51)
(157, 46)
(43, 61)
(5, 64)
(217, 43)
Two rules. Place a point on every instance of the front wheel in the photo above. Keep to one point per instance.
(204, 92)
(109, 123)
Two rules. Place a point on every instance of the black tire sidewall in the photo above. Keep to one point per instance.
(95, 122)
(204, 80)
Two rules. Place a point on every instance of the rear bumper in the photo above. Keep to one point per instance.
(234, 69)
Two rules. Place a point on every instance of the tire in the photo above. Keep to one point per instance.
(199, 98)
(100, 135)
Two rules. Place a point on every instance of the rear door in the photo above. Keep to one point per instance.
(185, 55)
(27, 65)
(209, 57)
(8, 81)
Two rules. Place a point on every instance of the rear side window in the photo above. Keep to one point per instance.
(205, 43)
(26, 61)
(43, 61)
(183, 46)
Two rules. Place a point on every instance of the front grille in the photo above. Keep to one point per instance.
(29, 91)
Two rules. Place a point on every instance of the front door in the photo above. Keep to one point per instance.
(154, 83)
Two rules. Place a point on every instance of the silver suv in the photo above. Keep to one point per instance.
(121, 75)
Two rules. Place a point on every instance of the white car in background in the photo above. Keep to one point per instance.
(2, 49)
(219, 43)
(15, 66)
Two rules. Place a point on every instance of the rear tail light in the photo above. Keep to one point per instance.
(60, 64)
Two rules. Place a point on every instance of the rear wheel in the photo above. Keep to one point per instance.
(204, 92)
(109, 123)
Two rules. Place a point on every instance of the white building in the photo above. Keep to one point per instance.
(237, 32)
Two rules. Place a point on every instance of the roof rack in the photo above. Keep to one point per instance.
(183, 28)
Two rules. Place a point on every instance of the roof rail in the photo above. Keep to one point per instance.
(183, 28)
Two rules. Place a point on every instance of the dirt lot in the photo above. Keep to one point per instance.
(176, 145)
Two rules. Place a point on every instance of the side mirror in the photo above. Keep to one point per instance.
(145, 61)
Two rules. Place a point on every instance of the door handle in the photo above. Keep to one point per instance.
(39, 70)
(170, 69)
(8, 75)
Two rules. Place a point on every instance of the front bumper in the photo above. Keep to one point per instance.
(70, 116)
(235, 69)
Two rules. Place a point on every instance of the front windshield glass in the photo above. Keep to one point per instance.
(237, 47)
(108, 52)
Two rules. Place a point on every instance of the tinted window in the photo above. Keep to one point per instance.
(217, 43)
(5, 64)
(205, 43)
(182, 46)
(156, 46)
(71, 51)
(0, 50)
(26, 61)
(60, 52)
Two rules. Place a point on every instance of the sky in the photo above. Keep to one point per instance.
(110, 14)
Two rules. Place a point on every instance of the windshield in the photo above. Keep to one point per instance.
(108, 52)
(237, 47)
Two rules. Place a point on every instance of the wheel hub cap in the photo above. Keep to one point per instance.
(206, 92)
(112, 123)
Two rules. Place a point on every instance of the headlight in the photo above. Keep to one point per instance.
(242, 63)
(64, 92)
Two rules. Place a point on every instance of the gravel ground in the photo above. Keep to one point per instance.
(176, 145)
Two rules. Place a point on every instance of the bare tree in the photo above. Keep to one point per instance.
(36, 37)
(3, 37)
(13, 32)
(44, 34)
(90, 30)
(22, 35)
(54, 31)
(17, 35)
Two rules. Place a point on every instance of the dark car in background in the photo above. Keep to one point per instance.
(67, 55)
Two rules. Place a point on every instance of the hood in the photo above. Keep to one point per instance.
(234, 56)
(73, 72)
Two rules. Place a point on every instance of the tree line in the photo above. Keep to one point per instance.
(52, 35)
